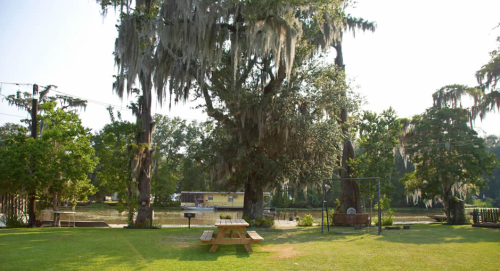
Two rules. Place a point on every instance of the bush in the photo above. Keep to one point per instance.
(330, 217)
(386, 221)
(268, 221)
(306, 221)
(486, 203)
(259, 222)
(222, 216)
(14, 221)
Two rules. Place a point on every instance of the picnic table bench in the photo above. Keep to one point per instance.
(230, 232)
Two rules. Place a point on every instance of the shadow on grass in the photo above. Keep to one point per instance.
(121, 247)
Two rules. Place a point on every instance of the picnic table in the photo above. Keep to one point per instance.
(230, 232)
(59, 213)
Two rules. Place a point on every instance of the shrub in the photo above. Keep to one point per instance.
(268, 221)
(330, 216)
(306, 221)
(486, 203)
(14, 221)
(386, 221)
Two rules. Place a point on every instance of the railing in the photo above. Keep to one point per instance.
(485, 215)
(221, 204)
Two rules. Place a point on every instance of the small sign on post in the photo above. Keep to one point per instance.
(189, 216)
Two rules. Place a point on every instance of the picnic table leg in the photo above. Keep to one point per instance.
(243, 237)
(248, 247)
(219, 235)
(214, 248)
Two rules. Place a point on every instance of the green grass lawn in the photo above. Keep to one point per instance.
(424, 247)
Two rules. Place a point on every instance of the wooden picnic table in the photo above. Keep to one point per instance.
(230, 232)
(59, 213)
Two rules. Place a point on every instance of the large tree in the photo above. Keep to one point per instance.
(349, 188)
(449, 157)
(55, 165)
(24, 101)
(178, 44)
(289, 135)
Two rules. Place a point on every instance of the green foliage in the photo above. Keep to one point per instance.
(492, 190)
(328, 221)
(56, 163)
(386, 221)
(116, 148)
(378, 138)
(259, 221)
(387, 218)
(307, 220)
(144, 224)
(268, 221)
(15, 221)
(486, 203)
(10, 129)
(222, 216)
(449, 156)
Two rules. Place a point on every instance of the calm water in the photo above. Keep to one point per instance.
(176, 217)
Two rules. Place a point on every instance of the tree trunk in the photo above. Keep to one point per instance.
(349, 190)
(446, 201)
(144, 176)
(32, 208)
(55, 207)
(254, 200)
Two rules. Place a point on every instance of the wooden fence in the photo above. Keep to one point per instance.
(13, 205)
(485, 215)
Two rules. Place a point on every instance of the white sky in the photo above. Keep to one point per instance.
(418, 47)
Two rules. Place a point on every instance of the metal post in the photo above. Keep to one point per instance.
(326, 209)
(379, 210)
(323, 209)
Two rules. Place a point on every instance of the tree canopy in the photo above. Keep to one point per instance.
(55, 165)
(378, 141)
(449, 157)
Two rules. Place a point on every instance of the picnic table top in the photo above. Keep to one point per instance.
(231, 222)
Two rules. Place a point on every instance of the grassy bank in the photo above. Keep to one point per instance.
(434, 247)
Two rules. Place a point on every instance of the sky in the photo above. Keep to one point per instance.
(417, 48)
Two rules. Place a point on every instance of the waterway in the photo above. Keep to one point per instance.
(176, 217)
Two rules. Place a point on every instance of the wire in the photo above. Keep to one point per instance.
(94, 101)
(17, 84)
(119, 107)
(13, 115)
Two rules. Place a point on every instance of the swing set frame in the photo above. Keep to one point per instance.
(325, 205)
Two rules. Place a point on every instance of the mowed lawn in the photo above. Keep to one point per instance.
(423, 247)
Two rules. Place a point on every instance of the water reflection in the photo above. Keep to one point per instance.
(208, 217)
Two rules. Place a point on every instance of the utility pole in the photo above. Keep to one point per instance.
(32, 196)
